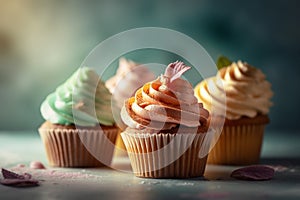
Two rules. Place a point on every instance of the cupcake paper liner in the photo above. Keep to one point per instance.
(238, 145)
(78, 147)
(120, 149)
(166, 155)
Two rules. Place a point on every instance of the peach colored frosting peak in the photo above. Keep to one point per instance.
(248, 93)
(165, 103)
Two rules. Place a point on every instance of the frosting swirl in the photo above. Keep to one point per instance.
(127, 80)
(82, 100)
(248, 93)
(165, 103)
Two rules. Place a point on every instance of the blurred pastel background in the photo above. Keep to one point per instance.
(43, 42)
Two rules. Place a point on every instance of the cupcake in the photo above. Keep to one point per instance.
(79, 130)
(248, 95)
(123, 85)
(167, 127)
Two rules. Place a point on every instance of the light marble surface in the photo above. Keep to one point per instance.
(279, 151)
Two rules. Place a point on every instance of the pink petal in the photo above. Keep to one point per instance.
(254, 173)
(19, 182)
(175, 70)
(11, 175)
(13, 179)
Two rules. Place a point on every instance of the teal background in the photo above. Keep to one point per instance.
(43, 42)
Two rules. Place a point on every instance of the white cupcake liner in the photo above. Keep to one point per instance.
(166, 155)
(78, 147)
(238, 145)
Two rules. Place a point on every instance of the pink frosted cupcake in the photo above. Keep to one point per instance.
(166, 128)
(129, 77)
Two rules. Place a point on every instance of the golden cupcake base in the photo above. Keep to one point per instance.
(240, 142)
(159, 155)
(71, 147)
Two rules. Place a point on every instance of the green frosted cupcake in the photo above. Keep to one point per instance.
(79, 130)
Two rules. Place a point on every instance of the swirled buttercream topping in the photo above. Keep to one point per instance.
(82, 100)
(165, 103)
(248, 93)
(129, 77)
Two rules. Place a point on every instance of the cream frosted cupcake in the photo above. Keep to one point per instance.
(166, 128)
(129, 77)
(79, 130)
(248, 95)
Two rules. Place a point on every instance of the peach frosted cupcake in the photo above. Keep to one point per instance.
(166, 128)
(79, 130)
(129, 77)
(248, 95)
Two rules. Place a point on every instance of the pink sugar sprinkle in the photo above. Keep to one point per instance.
(55, 175)
(37, 165)
(206, 195)
(279, 168)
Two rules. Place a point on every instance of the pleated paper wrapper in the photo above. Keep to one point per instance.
(166, 155)
(238, 145)
(78, 147)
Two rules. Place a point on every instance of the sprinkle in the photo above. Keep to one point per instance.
(280, 168)
(60, 176)
(37, 165)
